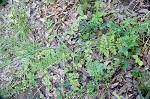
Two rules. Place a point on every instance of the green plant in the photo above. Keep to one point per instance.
(16, 47)
(122, 41)
(87, 29)
(3, 2)
(118, 42)
(15, 40)
(18, 23)
(137, 60)
(144, 86)
(97, 70)
(107, 45)
(37, 64)
(73, 78)
(75, 25)
(59, 95)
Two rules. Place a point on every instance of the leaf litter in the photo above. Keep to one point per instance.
(64, 13)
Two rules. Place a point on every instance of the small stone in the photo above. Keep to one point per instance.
(114, 85)
(129, 75)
